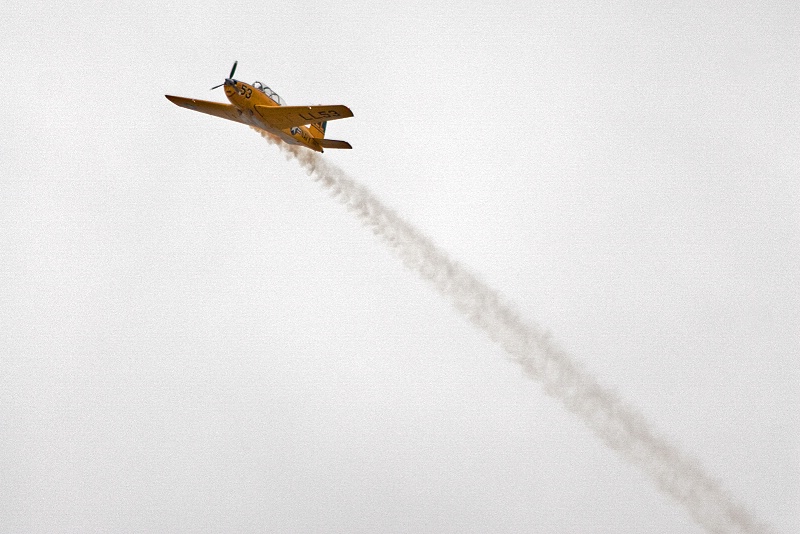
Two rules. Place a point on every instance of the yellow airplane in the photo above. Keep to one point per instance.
(257, 105)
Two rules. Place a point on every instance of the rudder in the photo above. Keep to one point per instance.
(317, 129)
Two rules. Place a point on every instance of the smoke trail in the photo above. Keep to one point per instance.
(618, 425)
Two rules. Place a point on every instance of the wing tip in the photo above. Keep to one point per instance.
(177, 100)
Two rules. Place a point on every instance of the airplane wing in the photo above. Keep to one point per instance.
(225, 111)
(283, 117)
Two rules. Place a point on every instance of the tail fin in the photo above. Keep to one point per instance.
(318, 129)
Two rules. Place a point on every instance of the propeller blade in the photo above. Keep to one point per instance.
(230, 77)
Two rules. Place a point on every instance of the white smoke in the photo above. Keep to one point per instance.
(617, 424)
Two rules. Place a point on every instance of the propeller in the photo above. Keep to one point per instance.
(229, 79)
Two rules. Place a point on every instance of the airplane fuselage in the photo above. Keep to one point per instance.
(246, 97)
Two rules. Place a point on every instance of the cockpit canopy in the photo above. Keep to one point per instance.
(270, 93)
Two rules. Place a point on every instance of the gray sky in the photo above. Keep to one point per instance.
(195, 337)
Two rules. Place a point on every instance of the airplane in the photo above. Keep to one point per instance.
(259, 106)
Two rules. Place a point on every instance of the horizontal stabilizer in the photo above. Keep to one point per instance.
(332, 143)
(283, 117)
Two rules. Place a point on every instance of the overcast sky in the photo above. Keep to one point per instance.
(195, 337)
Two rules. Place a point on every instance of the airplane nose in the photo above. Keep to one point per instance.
(230, 86)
